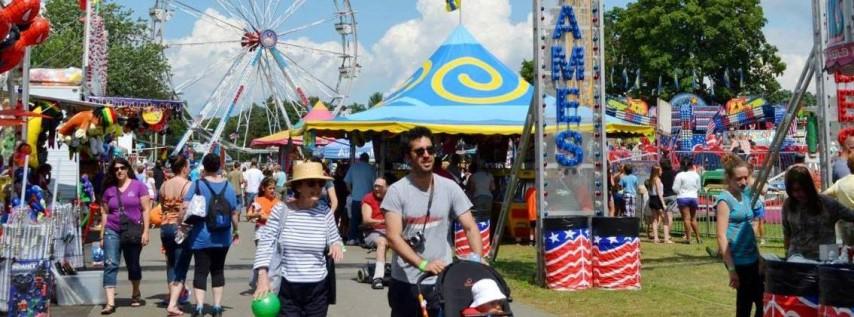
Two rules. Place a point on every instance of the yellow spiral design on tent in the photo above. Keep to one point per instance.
(495, 82)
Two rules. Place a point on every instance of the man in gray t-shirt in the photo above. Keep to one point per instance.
(406, 207)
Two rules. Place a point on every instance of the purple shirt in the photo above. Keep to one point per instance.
(131, 200)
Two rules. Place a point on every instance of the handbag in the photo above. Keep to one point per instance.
(198, 206)
(274, 272)
(330, 275)
(131, 232)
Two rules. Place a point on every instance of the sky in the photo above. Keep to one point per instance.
(395, 36)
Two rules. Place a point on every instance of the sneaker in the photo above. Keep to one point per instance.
(377, 283)
(198, 312)
(217, 311)
(712, 252)
(184, 298)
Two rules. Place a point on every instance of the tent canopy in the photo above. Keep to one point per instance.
(319, 112)
(461, 89)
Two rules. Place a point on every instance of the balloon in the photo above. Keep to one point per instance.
(11, 57)
(22, 12)
(37, 32)
(268, 306)
(155, 216)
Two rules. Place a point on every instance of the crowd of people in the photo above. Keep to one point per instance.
(303, 223)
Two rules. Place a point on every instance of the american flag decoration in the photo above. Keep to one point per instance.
(790, 306)
(568, 256)
(461, 242)
(836, 286)
(616, 253)
(830, 311)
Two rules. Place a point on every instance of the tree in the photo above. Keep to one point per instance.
(784, 95)
(375, 99)
(527, 71)
(356, 107)
(703, 37)
(136, 66)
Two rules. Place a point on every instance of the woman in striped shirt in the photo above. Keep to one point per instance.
(301, 232)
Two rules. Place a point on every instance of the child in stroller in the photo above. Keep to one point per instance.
(464, 284)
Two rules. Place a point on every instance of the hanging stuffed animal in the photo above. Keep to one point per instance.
(36, 33)
(21, 12)
(73, 131)
(34, 128)
(7, 143)
(21, 154)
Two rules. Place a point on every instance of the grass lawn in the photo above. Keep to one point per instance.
(676, 280)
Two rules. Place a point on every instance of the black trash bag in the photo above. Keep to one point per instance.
(791, 279)
(566, 223)
(836, 284)
(613, 227)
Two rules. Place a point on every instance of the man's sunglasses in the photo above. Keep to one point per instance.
(420, 151)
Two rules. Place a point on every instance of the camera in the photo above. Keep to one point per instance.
(416, 242)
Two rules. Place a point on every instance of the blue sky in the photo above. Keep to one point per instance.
(395, 36)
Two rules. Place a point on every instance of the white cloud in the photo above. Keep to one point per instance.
(400, 51)
(387, 62)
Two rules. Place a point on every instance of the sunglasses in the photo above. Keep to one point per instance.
(121, 168)
(314, 183)
(420, 151)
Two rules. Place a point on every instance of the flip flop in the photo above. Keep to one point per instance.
(136, 301)
(108, 310)
(174, 313)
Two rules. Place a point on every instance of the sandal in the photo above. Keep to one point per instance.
(136, 301)
(174, 313)
(668, 241)
(108, 310)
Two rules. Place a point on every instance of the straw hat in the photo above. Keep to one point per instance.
(308, 170)
(485, 291)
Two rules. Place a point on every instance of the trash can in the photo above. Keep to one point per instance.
(616, 253)
(461, 242)
(568, 257)
(836, 290)
(791, 289)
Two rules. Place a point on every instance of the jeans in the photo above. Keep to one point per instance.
(304, 299)
(403, 299)
(355, 221)
(113, 249)
(177, 255)
(210, 260)
(750, 288)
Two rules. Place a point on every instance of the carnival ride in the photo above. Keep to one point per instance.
(268, 69)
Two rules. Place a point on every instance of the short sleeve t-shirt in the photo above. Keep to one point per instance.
(361, 177)
(407, 200)
(376, 212)
(629, 184)
(131, 201)
(253, 178)
(234, 178)
(281, 178)
(739, 232)
(199, 235)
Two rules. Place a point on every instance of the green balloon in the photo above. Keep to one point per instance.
(267, 306)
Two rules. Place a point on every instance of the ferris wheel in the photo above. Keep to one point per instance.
(273, 69)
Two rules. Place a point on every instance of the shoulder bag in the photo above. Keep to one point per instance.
(131, 232)
(274, 270)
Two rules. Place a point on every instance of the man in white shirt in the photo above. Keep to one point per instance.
(252, 177)
(687, 187)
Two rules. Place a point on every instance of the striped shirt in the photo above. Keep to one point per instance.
(303, 240)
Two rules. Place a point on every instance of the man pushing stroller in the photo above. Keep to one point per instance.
(417, 210)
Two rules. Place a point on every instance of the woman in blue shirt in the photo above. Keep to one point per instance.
(736, 239)
(211, 245)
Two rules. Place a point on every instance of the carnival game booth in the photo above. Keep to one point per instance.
(462, 92)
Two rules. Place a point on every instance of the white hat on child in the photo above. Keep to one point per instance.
(485, 291)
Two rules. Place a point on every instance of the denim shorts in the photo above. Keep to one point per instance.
(691, 203)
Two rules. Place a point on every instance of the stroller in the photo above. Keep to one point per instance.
(454, 287)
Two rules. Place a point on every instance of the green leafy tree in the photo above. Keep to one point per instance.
(706, 37)
(527, 71)
(784, 95)
(136, 66)
(375, 99)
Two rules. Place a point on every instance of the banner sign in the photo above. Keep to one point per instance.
(137, 102)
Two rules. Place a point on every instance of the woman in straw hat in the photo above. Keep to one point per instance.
(303, 232)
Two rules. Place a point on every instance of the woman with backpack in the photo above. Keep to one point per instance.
(213, 234)
(297, 244)
(125, 205)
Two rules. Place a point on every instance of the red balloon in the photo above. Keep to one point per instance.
(22, 12)
(37, 32)
(11, 57)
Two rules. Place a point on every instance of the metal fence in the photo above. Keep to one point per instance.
(772, 229)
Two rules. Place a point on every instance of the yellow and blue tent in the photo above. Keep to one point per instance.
(461, 89)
